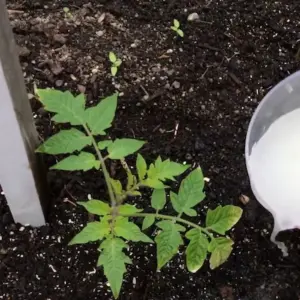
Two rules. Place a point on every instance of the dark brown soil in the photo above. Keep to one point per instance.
(207, 84)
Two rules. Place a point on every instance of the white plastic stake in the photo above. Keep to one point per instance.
(21, 177)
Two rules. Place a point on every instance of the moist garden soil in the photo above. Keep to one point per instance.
(192, 100)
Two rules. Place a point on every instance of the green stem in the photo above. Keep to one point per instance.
(125, 166)
(166, 217)
(104, 169)
(178, 217)
(128, 193)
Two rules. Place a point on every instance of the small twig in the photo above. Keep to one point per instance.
(132, 132)
(66, 189)
(69, 201)
(206, 46)
(204, 22)
(164, 55)
(230, 36)
(202, 76)
(235, 79)
(157, 94)
(156, 128)
(176, 129)
(75, 6)
(39, 70)
(146, 96)
(231, 57)
(208, 4)
(222, 61)
(13, 11)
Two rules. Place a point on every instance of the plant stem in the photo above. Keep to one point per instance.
(125, 166)
(166, 217)
(104, 169)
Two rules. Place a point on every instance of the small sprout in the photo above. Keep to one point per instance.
(115, 63)
(68, 15)
(176, 28)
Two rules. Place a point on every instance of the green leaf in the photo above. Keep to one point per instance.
(168, 241)
(68, 109)
(84, 161)
(114, 71)
(191, 212)
(190, 192)
(223, 218)
(167, 169)
(141, 166)
(121, 148)
(104, 144)
(66, 141)
(180, 33)
(152, 172)
(93, 231)
(221, 249)
(117, 186)
(118, 63)
(174, 200)
(130, 231)
(112, 57)
(170, 225)
(148, 221)
(176, 23)
(196, 251)
(153, 183)
(128, 209)
(96, 207)
(219, 242)
(174, 28)
(131, 181)
(158, 199)
(100, 117)
(113, 260)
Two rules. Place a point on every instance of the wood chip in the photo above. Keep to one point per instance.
(244, 199)
(101, 18)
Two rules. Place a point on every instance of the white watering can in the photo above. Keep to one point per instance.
(273, 155)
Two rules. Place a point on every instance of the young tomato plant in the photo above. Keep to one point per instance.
(176, 28)
(115, 63)
(115, 224)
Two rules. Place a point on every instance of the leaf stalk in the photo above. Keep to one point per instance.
(166, 217)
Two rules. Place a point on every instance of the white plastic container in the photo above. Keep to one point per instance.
(273, 154)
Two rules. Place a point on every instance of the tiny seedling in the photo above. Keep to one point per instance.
(115, 63)
(67, 12)
(115, 226)
(176, 28)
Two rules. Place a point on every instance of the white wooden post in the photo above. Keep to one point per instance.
(21, 177)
